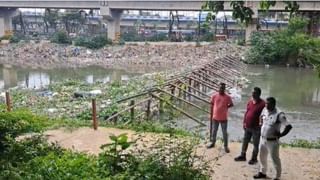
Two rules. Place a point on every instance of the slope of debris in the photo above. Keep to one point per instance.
(166, 56)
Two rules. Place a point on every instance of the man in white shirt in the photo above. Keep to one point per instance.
(272, 120)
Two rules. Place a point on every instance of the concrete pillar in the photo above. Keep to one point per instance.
(253, 25)
(10, 76)
(6, 15)
(113, 21)
(249, 30)
(114, 25)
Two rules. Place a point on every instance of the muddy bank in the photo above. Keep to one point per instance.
(47, 55)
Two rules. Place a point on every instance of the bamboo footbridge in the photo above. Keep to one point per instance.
(191, 88)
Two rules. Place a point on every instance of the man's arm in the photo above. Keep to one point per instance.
(230, 103)
(288, 127)
(286, 130)
(244, 117)
(211, 107)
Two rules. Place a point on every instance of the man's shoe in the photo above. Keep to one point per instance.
(227, 150)
(260, 175)
(211, 145)
(252, 161)
(275, 179)
(240, 158)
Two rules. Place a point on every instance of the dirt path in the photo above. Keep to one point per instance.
(297, 163)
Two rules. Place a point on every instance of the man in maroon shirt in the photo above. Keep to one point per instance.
(251, 126)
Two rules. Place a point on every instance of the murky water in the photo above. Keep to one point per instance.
(297, 92)
(298, 95)
(37, 79)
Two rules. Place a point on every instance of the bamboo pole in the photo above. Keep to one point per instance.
(206, 78)
(209, 85)
(94, 115)
(204, 100)
(148, 112)
(132, 110)
(180, 110)
(213, 74)
(192, 88)
(8, 101)
(189, 88)
(198, 107)
(126, 109)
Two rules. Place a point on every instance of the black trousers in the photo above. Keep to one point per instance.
(253, 133)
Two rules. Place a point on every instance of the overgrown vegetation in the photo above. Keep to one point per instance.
(289, 46)
(35, 158)
(92, 43)
(61, 37)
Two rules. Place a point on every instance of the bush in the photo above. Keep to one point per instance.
(94, 43)
(290, 46)
(36, 159)
(61, 38)
(208, 37)
(6, 37)
(13, 124)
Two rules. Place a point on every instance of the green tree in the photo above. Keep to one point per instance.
(50, 19)
(72, 21)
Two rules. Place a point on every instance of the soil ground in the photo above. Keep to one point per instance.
(297, 163)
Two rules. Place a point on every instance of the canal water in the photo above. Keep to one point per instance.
(38, 79)
(297, 92)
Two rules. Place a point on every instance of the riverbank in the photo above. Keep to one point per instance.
(48, 55)
(298, 163)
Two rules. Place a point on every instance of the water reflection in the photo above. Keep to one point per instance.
(37, 79)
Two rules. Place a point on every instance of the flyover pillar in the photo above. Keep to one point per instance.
(252, 26)
(113, 21)
(6, 15)
(10, 76)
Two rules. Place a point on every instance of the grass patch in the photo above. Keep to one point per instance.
(154, 127)
(302, 143)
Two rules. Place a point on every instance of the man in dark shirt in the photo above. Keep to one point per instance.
(251, 126)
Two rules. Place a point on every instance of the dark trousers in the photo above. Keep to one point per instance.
(255, 134)
(224, 125)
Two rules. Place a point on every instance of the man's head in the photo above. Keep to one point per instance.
(256, 93)
(222, 88)
(271, 103)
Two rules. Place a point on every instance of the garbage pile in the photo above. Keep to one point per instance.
(47, 55)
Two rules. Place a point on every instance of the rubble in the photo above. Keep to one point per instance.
(48, 55)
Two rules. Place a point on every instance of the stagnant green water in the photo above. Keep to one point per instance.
(298, 95)
(296, 90)
(37, 79)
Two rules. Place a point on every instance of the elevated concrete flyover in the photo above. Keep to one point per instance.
(111, 10)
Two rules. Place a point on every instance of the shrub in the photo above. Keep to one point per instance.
(289, 46)
(5, 37)
(36, 159)
(94, 43)
(61, 38)
(13, 124)
(209, 36)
